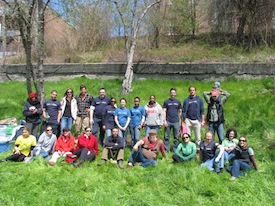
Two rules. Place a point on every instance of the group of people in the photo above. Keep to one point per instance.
(94, 117)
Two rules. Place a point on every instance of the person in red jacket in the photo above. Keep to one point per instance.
(87, 147)
(64, 145)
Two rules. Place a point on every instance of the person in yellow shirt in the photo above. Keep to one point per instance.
(23, 146)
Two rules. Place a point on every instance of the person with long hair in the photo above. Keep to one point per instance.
(230, 144)
(244, 159)
(69, 110)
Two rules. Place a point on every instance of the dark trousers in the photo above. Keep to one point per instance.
(16, 158)
(82, 154)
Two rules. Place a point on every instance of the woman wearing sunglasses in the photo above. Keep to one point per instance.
(186, 150)
(244, 159)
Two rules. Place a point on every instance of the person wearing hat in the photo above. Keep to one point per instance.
(215, 113)
(146, 150)
(64, 146)
(32, 111)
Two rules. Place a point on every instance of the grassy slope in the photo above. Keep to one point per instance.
(250, 109)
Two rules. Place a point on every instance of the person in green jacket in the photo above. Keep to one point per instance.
(185, 151)
(229, 144)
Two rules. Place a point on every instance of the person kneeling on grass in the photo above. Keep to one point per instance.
(210, 157)
(244, 159)
(87, 148)
(185, 150)
(146, 150)
(64, 145)
(45, 145)
(113, 148)
(24, 145)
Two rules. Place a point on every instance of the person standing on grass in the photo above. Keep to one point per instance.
(64, 145)
(23, 146)
(108, 117)
(137, 120)
(32, 111)
(215, 114)
(229, 144)
(52, 113)
(69, 110)
(211, 153)
(193, 114)
(84, 101)
(45, 145)
(172, 109)
(87, 148)
(243, 160)
(97, 108)
(122, 119)
(146, 150)
(185, 151)
(154, 115)
(113, 149)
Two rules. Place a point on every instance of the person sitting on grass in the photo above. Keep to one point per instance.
(24, 145)
(185, 151)
(45, 145)
(64, 145)
(87, 147)
(243, 160)
(230, 144)
(146, 150)
(113, 149)
(210, 157)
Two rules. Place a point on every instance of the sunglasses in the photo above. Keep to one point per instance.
(113, 101)
(88, 130)
(69, 92)
(185, 137)
(242, 140)
(49, 130)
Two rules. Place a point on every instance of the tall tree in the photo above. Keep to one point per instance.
(132, 13)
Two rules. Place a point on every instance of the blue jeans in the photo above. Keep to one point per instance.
(108, 132)
(98, 125)
(135, 135)
(42, 153)
(139, 157)
(228, 156)
(216, 127)
(148, 128)
(66, 122)
(237, 166)
(123, 134)
(175, 126)
(210, 164)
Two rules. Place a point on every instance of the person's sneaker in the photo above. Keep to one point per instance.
(120, 164)
(129, 165)
(101, 163)
(113, 161)
(51, 163)
(75, 164)
(137, 164)
(27, 159)
(233, 178)
(243, 174)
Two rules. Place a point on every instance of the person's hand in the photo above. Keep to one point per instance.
(165, 124)
(104, 127)
(74, 122)
(217, 160)
(135, 148)
(202, 123)
(91, 121)
(88, 152)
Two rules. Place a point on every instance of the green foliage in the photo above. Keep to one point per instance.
(250, 109)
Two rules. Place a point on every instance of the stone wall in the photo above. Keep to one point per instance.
(173, 71)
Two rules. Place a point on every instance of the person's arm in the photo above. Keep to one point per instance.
(164, 110)
(226, 96)
(117, 123)
(26, 111)
(193, 154)
(127, 123)
(92, 114)
(252, 159)
(221, 151)
(162, 149)
(59, 116)
(177, 152)
(137, 145)
(202, 112)
(184, 111)
(206, 97)
(160, 116)
(108, 142)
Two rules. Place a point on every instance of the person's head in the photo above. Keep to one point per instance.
(243, 142)
(69, 93)
(136, 101)
(49, 129)
(113, 101)
(102, 93)
(214, 95)
(186, 138)
(115, 132)
(83, 89)
(231, 134)
(192, 91)
(173, 93)
(26, 132)
(152, 135)
(208, 136)
(152, 99)
(216, 85)
(53, 94)
(33, 96)
(123, 102)
(66, 131)
(88, 131)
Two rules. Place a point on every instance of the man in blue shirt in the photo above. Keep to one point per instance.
(171, 111)
(52, 113)
(97, 108)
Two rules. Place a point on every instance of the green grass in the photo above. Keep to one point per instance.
(250, 109)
